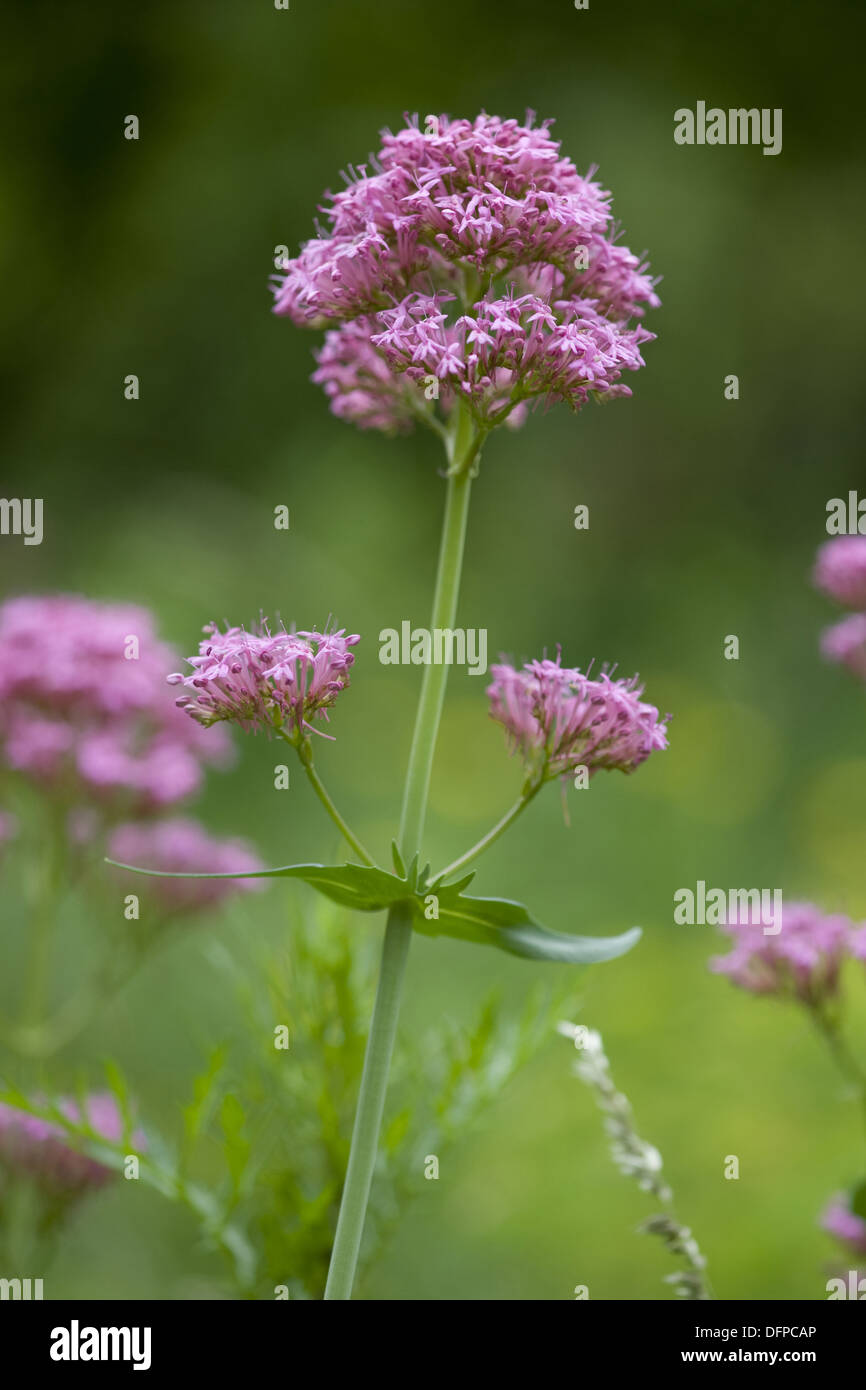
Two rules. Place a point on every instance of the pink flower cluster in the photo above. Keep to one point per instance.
(488, 216)
(845, 1225)
(83, 706)
(840, 572)
(182, 846)
(559, 719)
(274, 682)
(39, 1149)
(510, 350)
(802, 960)
(85, 713)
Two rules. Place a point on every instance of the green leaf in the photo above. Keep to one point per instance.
(237, 1146)
(508, 926)
(120, 1090)
(395, 1132)
(364, 888)
(397, 858)
(204, 1099)
(486, 921)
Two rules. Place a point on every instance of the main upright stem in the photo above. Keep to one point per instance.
(463, 444)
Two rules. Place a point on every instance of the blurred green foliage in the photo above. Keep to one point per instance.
(152, 257)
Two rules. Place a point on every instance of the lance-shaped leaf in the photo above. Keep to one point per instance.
(365, 888)
(509, 926)
(485, 921)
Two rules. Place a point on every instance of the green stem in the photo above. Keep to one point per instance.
(842, 1054)
(435, 677)
(463, 445)
(371, 1103)
(306, 756)
(492, 835)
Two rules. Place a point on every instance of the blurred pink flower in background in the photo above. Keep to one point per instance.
(84, 709)
(845, 642)
(802, 959)
(844, 1225)
(180, 845)
(40, 1150)
(840, 570)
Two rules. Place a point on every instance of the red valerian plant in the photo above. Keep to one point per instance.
(468, 274)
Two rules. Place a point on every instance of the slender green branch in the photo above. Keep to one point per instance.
(463, 445)
(844, 1058)
(492, 835)
(305, 753)
(348, 835)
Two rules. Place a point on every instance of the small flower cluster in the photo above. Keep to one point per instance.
(83, 707)
(638, 1160)
(802, 960)
(510, 350)
(182, 846)
(489, 216)
(262, 681)
(840, 572)
(38, 1149)
(559, 719)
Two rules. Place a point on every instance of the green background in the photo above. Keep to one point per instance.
(152, 257)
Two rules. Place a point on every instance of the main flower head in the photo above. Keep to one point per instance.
(560, 719)
(802, 960)
(277, 682)
(83, 704)
(472, 262)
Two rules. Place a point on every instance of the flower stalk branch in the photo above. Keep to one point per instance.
(305, 753)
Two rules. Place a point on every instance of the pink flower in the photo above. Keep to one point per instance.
(39, 1149)
(844, 1225)
(484, 217)
(802, 959)
(361, 386)
(845, 643)
(840, 570)
(184, 846)
(274, 682)
(559, 719)
(508, 350)
(83, 705)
